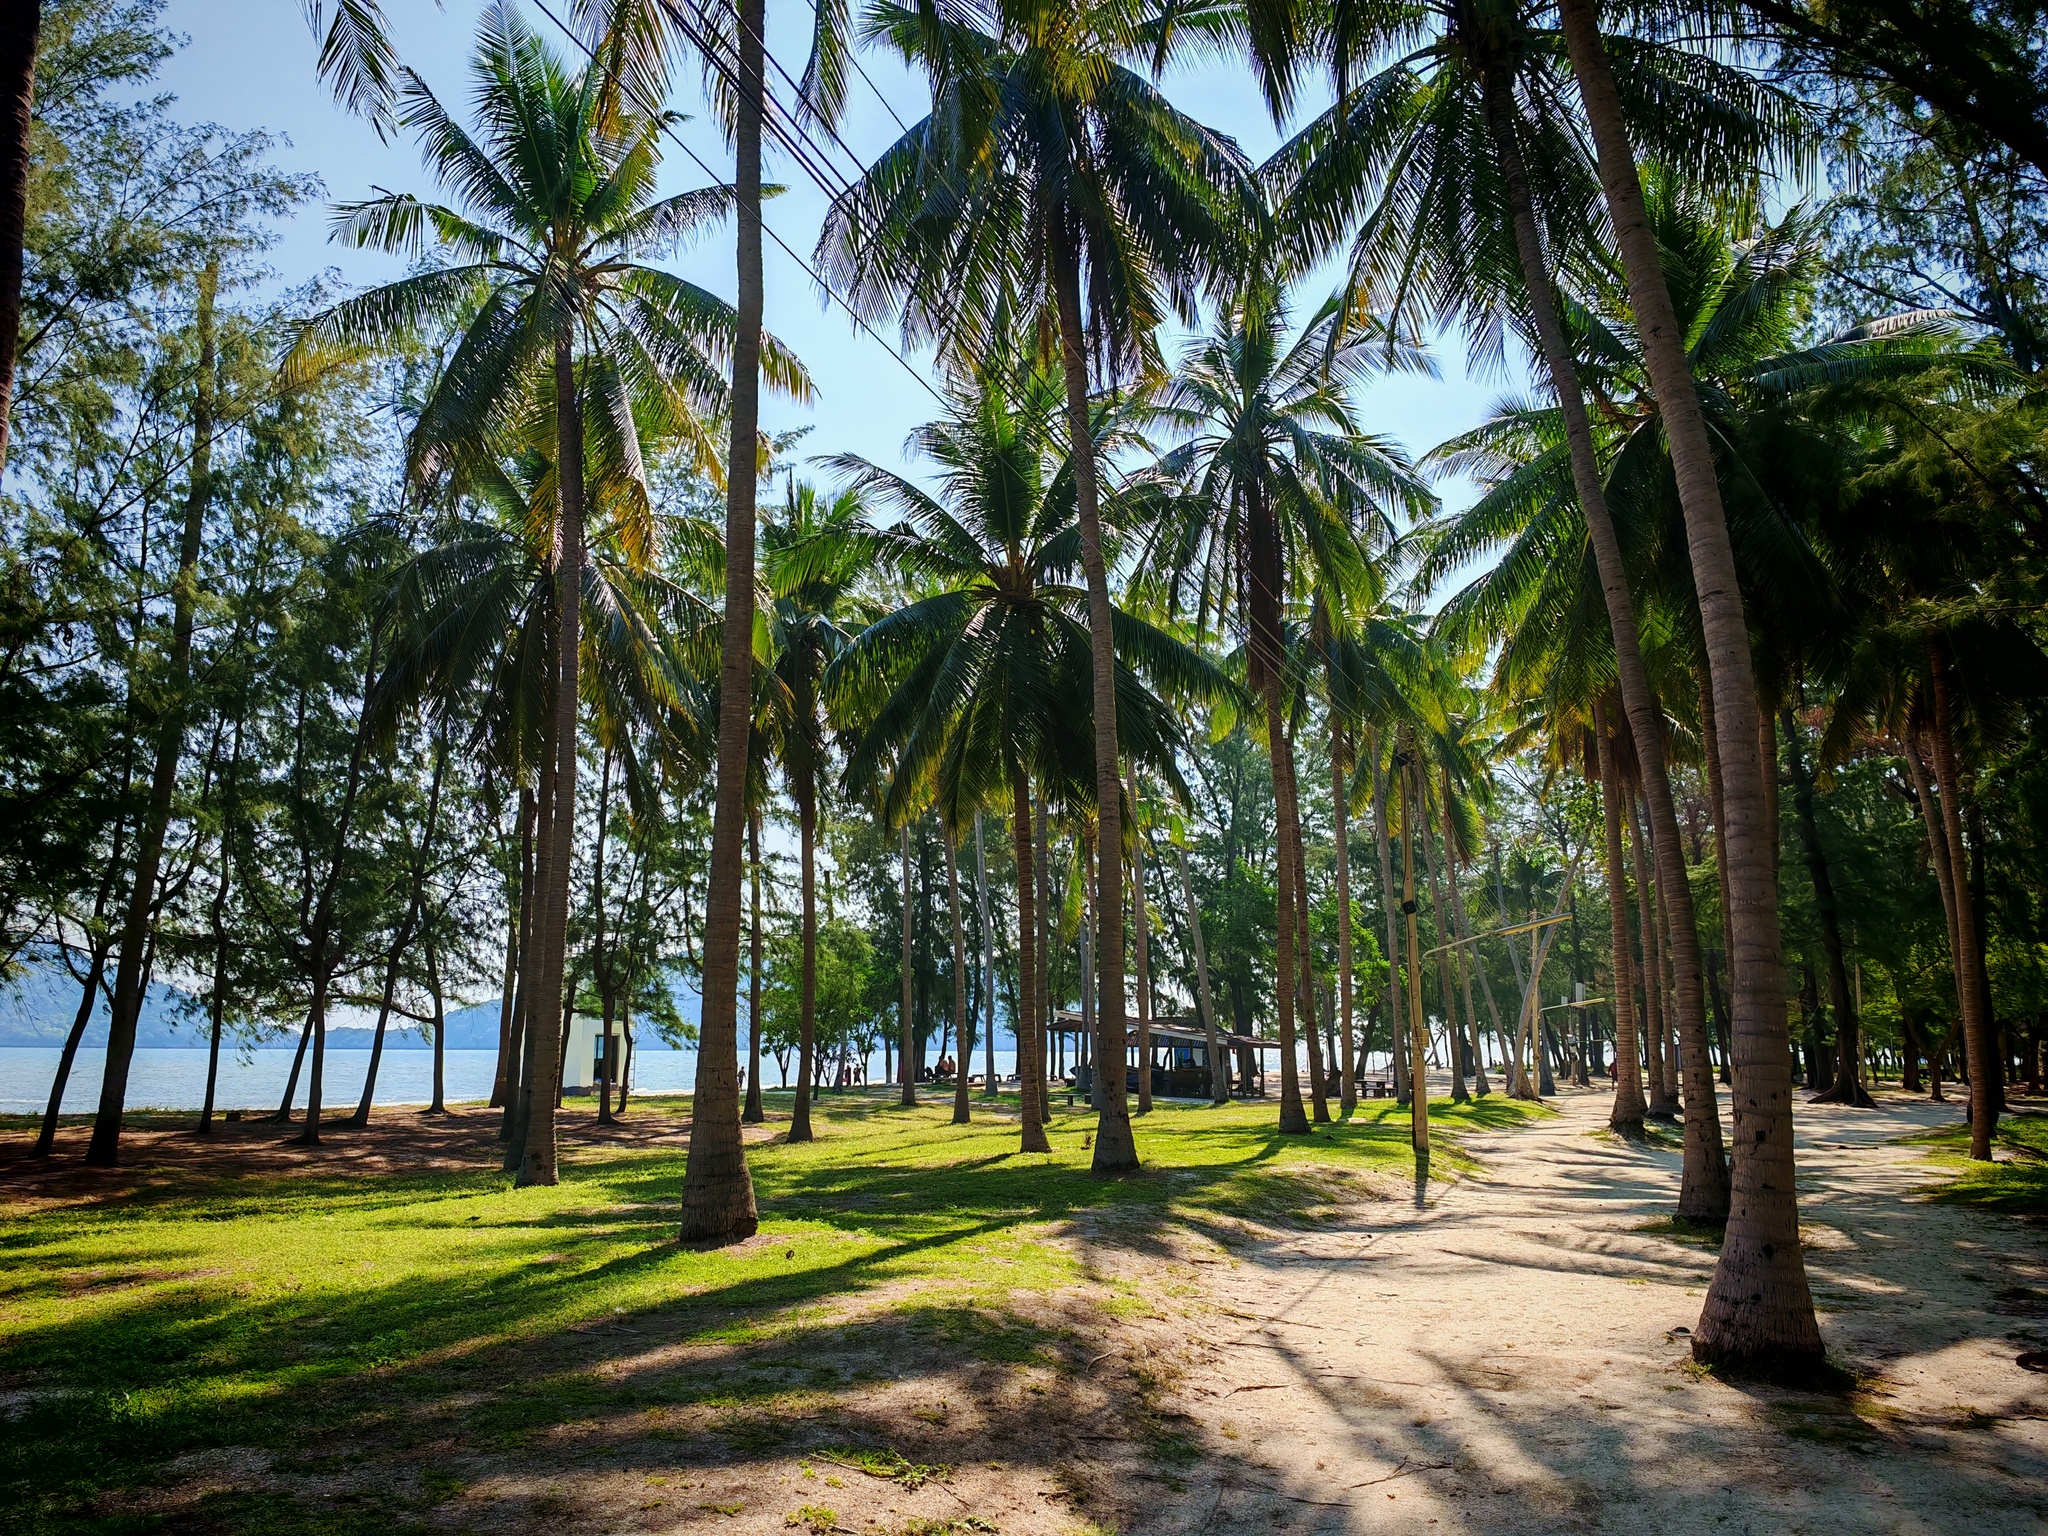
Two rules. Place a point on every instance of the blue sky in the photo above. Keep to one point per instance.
(250, 64)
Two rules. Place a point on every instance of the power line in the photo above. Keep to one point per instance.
(780, 124)
(853, 314)
(792, 84)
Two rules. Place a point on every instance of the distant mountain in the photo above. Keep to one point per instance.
(37, 1007)
(469, 1029)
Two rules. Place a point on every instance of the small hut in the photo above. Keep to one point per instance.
(1179, 1057)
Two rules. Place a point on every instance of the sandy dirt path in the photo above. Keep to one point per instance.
(1497, 1355)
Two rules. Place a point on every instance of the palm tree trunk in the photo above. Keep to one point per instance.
(1091, 1017)
(1418, 1026)
(1937, 844)
(1041, 1023)
(754, 921)
(537, 1163)
(529, 1018)
(1984, 1064)
(1711, 751)
(1317, 1086)
(751, 1112)
(20, 34)
(1668, 1038)
(989, 1089)
(906, 1030)
(1759, 1307)
(1293, 1119)
(1973, 827)
(1662, 1106)
(1219, 1067)
(602, 961)
(1115, 1150)
(1142, 950)
(807, 1019)
(1454, 1037)
(1396, 1048)
(718, 1192)
(1030, 1084)
(1475, 965)
(518, 921)
(1703, 1190)
(1340, 820)
(1848, 1087)
(1627, 1114)
(1918, 758)
(963, 1039)
(129, 979)
(1467, 955)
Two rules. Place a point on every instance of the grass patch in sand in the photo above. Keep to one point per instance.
(403, 1321)
(1694, 1234)
(2016, 1185)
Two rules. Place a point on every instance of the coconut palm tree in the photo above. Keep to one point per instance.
(1459, 165)
(970, 694)
(1047, 169)
(629, 42)
(1283, 486)
(814, 556)
(1759, 1308)
(547, 278)
(1368, 664)
(472, 626)
(20, 36)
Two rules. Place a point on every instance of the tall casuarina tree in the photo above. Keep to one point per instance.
(131, 971)
(1759, 1308)
(1046, 171)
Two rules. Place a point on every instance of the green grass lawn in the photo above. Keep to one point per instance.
(290, 1311)
(2018, 1186)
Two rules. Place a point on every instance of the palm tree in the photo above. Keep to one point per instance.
(1282, 486)
(1371, 662)
(1759, 1308)
(20, 35)
(813, 558)
(471, 620)
(559, 183)
(968, 694)
(1046, 169)
(1460, 164)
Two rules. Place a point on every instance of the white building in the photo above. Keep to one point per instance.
(581, 1062)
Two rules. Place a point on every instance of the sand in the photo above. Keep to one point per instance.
(1502, 1355)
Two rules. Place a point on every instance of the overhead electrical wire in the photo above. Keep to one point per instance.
(728, 73)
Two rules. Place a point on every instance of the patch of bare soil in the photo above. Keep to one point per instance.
(1509, 1354)
(161, 1151)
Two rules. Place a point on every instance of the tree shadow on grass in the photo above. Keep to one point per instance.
(519, 1322)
